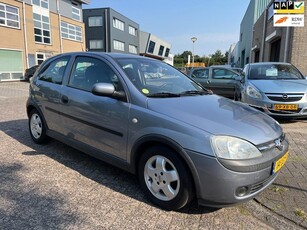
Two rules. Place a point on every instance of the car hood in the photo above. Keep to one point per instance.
(281, 86)
(219, 116)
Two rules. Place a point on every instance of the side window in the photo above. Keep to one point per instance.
(88, 71)
(201, 73)
(218, 73)
(223, 74)
(54, 71)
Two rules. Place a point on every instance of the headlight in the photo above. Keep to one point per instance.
(233, 148)
(253, 92)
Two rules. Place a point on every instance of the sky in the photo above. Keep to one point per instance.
(215, 24)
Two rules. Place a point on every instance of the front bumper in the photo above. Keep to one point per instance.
(219, 186)
(266, 105)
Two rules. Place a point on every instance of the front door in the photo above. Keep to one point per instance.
(98, 121)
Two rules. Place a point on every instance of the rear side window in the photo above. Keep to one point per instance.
(54, 71)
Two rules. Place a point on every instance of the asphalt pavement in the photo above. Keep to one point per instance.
(54, 186)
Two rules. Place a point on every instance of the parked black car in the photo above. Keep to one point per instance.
(30, 72)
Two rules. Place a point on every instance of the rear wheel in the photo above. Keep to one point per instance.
(165, 179)
(37, 127)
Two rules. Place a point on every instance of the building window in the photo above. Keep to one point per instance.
(11, 67)
(119, 45)
(151, 47)
(76, 13)
(166, 52)
(41, 29)
(71, 32)
(118, 24)
(132, 49)
(94, 21)
(132, 30)
(161, 50)
(9, 16)
(41, 3)
(96, 44)
(40, 57)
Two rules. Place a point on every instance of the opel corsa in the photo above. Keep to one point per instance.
(146, 117)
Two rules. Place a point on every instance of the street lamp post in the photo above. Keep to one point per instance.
(209, 60)
(193, 40)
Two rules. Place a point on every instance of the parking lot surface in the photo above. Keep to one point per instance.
(54, 186)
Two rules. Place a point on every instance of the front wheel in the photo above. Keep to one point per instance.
(37, 127)
(165, 179)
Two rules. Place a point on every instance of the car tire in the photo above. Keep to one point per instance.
(37, 127)
(165, 179)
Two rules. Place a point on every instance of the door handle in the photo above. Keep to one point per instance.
(208, 81)
(64, 99)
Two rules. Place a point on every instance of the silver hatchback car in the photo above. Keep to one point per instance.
(278, 89)
(179, 139)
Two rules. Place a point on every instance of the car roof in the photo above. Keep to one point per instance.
(269, 63)
(104, 54)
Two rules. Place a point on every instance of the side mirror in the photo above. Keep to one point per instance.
(107, 90)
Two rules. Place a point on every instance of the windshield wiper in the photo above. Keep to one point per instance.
(163, 94)
(194, 92)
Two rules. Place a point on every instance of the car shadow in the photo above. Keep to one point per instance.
(105, 174)
(289, 120)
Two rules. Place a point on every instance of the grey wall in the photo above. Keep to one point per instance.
(246, 29)
(122, 36)
(144, 39)
(66, 8)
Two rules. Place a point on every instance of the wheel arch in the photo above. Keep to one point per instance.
(152, 140)
(30, 107)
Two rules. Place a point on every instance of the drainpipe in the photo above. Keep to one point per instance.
(60, 18)
(25, 32)
(263, 35)
(287, 43)
(107, 34)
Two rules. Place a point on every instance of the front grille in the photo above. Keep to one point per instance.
(285, 97)
(256, 187)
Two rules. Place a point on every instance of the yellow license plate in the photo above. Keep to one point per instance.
(286, 107)
(280, 163)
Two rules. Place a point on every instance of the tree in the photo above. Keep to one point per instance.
(218, 58)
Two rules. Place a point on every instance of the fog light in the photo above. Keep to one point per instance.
(242, 191)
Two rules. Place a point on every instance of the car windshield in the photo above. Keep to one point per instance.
(157, 79)
(273, 72)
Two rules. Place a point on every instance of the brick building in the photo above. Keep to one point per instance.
(33, 30)
(284, 44)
